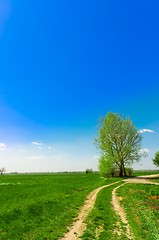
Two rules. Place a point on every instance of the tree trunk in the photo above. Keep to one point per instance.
(121, 171)
(125, 175)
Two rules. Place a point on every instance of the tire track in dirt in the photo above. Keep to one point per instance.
(120, 211)
(79, 226)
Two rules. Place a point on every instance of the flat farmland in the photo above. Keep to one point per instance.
(42, 206)
(59, 206)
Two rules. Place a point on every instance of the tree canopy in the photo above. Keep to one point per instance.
(156, 159)
(119, 142)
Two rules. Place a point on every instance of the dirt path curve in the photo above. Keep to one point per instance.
(79, 226)
(120, 211)
(116, 200)
(143, 179)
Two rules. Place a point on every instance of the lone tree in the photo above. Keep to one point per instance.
(119, 142)
(2, 171)
(156, 159)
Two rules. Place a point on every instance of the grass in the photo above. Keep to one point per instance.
(141, 204)
(155, 180)
(42, 206)
(102, 222)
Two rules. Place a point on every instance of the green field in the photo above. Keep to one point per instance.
(41, 206)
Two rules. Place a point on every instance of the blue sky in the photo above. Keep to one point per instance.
(63, 64)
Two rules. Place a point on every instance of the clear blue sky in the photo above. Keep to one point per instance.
(63, 64)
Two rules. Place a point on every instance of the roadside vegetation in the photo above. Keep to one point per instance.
(155, 180)
(141, 204)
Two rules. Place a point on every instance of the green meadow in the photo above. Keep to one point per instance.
(42, 206)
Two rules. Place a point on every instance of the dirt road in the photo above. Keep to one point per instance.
(78, 227)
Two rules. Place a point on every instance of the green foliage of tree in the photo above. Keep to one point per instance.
(106, 165)
(156, 159)
(119, 142)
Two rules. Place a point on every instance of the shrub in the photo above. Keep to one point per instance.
(89, 170)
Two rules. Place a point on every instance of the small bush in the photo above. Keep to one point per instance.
(89, 170)
(129, 172)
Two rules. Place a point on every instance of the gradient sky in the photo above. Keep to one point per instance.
(63, 64)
